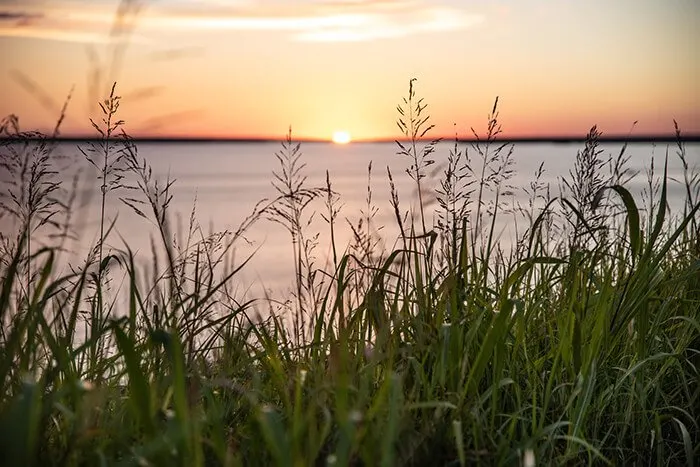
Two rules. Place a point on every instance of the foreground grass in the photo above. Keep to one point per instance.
(579, 345)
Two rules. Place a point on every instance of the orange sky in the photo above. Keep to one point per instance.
(250, 68)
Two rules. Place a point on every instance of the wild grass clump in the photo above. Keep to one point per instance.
(576, 343)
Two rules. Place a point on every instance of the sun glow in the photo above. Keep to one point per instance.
(341, 137)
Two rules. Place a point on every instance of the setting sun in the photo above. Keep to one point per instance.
(341, 137)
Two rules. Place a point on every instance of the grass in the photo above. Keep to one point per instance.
(576, 344)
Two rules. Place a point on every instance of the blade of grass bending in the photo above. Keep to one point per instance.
(687, 443)
(61, 353)
(632, 215)
(640, 289)
(222, 323)
(522, 269)
(637, 366)
(77, 292)
(213, 290)
(589, 448)
(580, 217)
(677, 233)
(536, 224)
(692, 322)
(337, 303)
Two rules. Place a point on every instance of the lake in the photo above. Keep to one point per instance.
(228, 179)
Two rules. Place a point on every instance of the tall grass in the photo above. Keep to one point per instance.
(577, 344)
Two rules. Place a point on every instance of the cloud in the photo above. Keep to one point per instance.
(318, 21)
(80, 22)
(372, 27)
(326, 21)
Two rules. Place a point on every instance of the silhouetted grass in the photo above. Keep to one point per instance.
(577, 344)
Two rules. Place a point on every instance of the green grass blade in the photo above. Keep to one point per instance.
(139, 389)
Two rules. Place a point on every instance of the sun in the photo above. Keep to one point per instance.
(341, 137)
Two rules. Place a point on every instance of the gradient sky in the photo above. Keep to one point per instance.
(250, 68)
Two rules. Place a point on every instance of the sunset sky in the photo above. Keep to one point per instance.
(250, 68)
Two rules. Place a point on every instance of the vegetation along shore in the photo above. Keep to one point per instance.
(577, 342)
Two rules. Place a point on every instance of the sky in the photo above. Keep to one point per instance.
(252, 68)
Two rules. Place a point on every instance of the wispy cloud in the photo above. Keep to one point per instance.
(339, 20)
(321, 20)
(387, 26)
(67, 21)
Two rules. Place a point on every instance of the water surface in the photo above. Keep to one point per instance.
(224, 181)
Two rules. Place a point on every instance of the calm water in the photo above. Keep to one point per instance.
(228, 179)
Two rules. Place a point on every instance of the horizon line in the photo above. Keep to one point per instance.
(650, 138)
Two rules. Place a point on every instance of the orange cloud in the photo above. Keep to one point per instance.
(328, 21)
(343, 20)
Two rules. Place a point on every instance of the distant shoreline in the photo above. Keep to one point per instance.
(520, 140)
